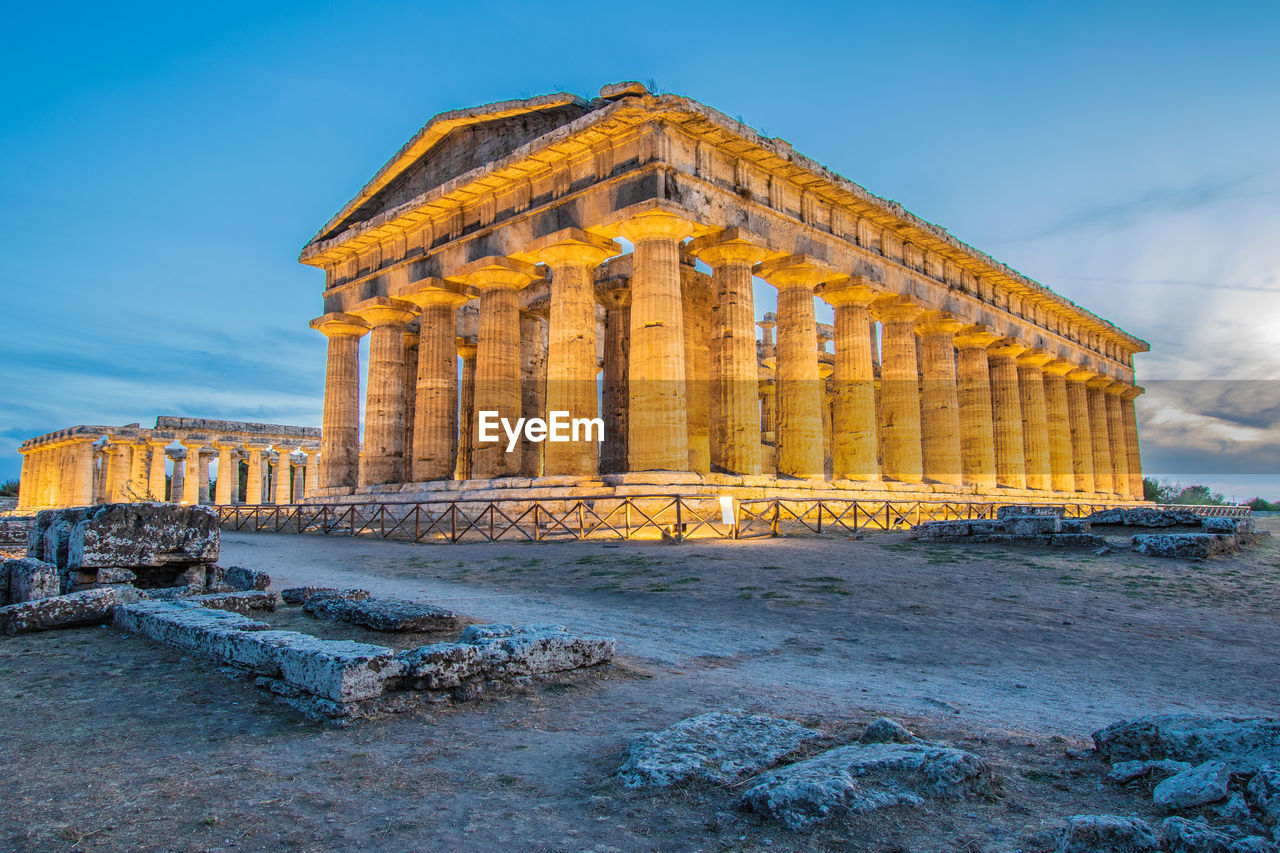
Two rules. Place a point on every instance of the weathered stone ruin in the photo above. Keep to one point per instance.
(888, 766)
(1046, 525)
(356, 607)
(340, 680)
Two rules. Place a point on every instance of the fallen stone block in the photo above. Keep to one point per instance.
(384, 614)
(184, 625)
(143, 534)
(237, 602)
(985, 527)
(1263, 794)
(1030, 526)
(885, 730)
(496, 630)
(1244, 745)
(31, 579)
(538, 652)
(296, 595)
(1107, 834)
(1124, 772)
(441, 666)
(1184, 546)
(247, 580)
(1203, 784)
(1219, 524)
(91, 607)
(940, 531)
(50, 538)
(1106, 516)
(1088, 541)
(721, 747)
(1180, 835)
(1024, 510)
(863, 778)
(1074, 525)
(309, 603)
(336, 669)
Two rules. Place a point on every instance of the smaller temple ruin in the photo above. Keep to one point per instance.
(86, 465)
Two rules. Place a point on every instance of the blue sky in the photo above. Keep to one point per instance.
(161, 165)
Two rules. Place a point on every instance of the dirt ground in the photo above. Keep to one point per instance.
(1016, 653)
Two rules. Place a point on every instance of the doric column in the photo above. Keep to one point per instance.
(81, 481)
(120, 465)
(977, 428)
(825, 371)
(177, 481)
(854, 432)
(284, 473)
(899, 391)
(658, 430)
(191, 474)
(1129, 415)
(313, 471)
(940, 399)
(25, 480)
(1061, 472)
(206, 456)
(434, 452)
(299, 483)
(137, 487)
(696, 298)
(768, 412)
(1115, 431)
(466, 408)
(412, 335)
(1006, 406)
(228, 473)
(533, 389)
(1035, 419)
(1100, 434)
(382, 456)
(340, 429)
(768, 350)
(572, 256)
(253, 480)
(1081, 428)
(498, 373)
(615, 294)
(155, 473)
(735, 405)
(799, 392)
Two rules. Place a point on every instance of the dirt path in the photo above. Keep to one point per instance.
(117, 743)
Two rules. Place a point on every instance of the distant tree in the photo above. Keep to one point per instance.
(1169, 492)
(1260, 505)
(1199, 496)
(9, 489)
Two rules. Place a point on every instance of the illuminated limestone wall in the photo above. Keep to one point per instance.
(551, 241)
(84, 465)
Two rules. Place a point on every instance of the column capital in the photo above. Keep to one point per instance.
(1080, 374)
(159, 442)
(1116, 388)
(466, 347)
(1058, 367)
(252, 447)
(730, 246)
(1099, 380)
(431, 291)
(495, 272)
(611, 294)
(568, 247)
(311, 451)
(1034, 358)
(770, 321)
(339, 325)
(656, 225)
(895, 309)
(1132, 392)
(975, 337)
(196, 444)
(385, 311)
(939, 323)
(796, 270)
(1006, 348)
(853, 290)
(226, 445)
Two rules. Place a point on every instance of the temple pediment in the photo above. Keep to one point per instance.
(451, 144)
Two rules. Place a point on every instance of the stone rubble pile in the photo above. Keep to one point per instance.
(1227, 770)
(339, 680)
(887, 767)
(1217, 536)
(382, 614)
(1043, 525)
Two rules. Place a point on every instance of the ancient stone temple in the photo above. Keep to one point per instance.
(85, 465)
(597, 258)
